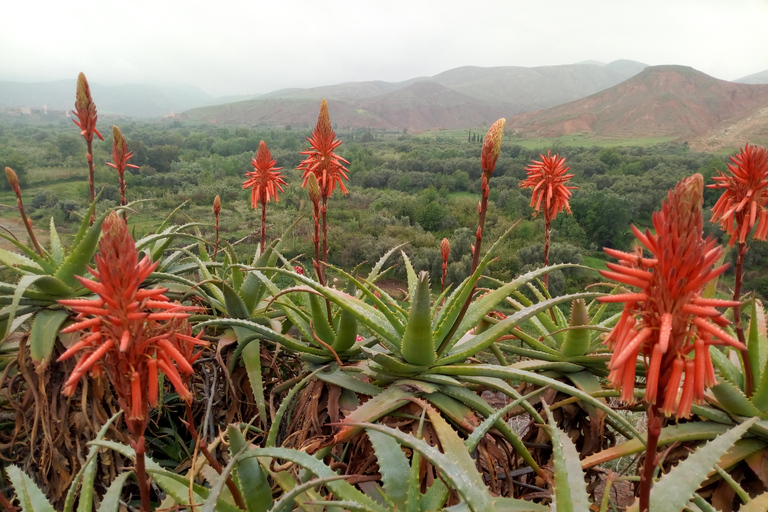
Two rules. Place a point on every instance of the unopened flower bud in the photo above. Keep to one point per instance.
(492, 146)
(313, 187)
(216, 205)
(13, 180)
(445, 249)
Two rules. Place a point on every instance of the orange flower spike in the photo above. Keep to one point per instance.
(668, 322)
(492, 146)
(743, 202)
(321, 159)
(85, 110)
(120, 155)
(548, 180)
(265, 180)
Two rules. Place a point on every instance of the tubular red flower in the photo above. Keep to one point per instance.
(321, 160)
(265, 179)
(742, 203)
(668, 322)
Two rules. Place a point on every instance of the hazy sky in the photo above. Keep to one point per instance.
(252, 46)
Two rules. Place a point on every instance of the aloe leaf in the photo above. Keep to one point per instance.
(43, 333)
(733, 400)
(289, 500)
(30, 497)
(682, 432)
(577, 338)
(418, 346)
(380, 405)
(374, 274)
(32, 259)
(365, 313)
(111, 500)
(393, 466)
(673, 490)
(250, 477)
(81, 252)
(726, 367)
(481, 341)
(236, 308)
(456, 466)
(346, 381)
(570, 489)
(757, 340)
(277, 421)
(251, 356)
(757, 504)
(385, 304)
(486, 303)
(264, 331)
(24, 283)
(477, 403)
(320, 326)
(19, 263)
(507, 373)
(340, 488)
(87, 473)
(57, 250)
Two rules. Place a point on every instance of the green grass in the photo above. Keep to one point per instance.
(575, 140)
(595, 263)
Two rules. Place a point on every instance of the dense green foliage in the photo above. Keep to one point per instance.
(403, 188)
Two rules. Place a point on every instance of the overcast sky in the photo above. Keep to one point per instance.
(252, 46)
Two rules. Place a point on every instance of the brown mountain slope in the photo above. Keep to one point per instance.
(752, 128)
(418, 107)
(428, 105)
(661, 101)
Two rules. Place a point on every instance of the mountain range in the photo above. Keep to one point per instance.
(620, 100)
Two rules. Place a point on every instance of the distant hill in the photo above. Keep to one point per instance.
(661, 101)
(130, 100)
(756, 78)
(459, 98)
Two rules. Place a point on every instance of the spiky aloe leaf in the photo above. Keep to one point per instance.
(757, 340)
(508, 373)
(29, 495)
(673, 490)
(757, 504)
(111, 500)
(320, 325)
(43, 333)
(251, 356)
(570, 489)
(340, 488)
(577, 338)
(733, 400)
(391, 398)
(393, 465)
(693, 431)
(418, 346)
(251, 479)
(268, 333)
(726, 368)
(461, 352)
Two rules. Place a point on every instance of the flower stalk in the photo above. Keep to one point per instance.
(13, 181)
(120, 155)
(85, 111)
(216, 212)
(445, 252)
(264, 181)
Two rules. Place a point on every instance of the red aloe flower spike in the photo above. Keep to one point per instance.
(668, 322)
(120, 155)
(445, 252)
(548, 180)
(488, 157)
(741, 207)
(85, 111)
(742, 204)
(325, 165)
(264, 181)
